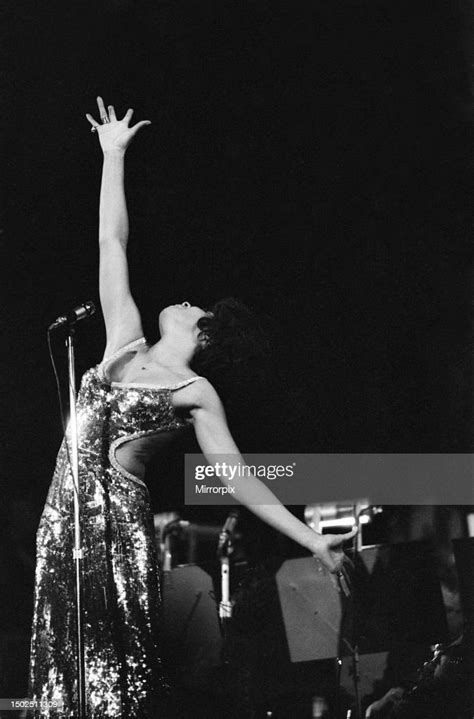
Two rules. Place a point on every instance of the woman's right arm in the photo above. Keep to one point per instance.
(121, 315)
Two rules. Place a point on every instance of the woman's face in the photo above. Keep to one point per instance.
(183, 316)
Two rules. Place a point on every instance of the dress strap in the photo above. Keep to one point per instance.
(185, 383)
(118, 353)
(148, 385)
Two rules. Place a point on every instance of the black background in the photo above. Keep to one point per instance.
(311, 158)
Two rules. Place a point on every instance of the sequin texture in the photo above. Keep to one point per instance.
(121, 598)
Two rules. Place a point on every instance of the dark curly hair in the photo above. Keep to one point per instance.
(235, 347)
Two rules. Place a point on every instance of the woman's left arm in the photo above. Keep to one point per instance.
(214, 438)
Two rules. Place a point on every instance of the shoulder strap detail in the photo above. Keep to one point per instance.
(115, 355)
(185, 383)
(125, 348)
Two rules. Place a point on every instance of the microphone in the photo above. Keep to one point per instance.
(81, 312)
(228, 530)
(224, 550)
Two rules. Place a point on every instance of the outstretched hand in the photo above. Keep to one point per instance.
(329, 549)
(114, 134)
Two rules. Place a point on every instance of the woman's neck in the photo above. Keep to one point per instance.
(174, 353)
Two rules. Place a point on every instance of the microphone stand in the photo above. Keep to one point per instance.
(78, 552)
(359, 511)
(357, 545)
(224, 550)
(225, 606)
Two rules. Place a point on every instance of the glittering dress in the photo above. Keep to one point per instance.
(121, 597)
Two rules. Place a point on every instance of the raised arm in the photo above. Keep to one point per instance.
(121, 315)
(214, 438)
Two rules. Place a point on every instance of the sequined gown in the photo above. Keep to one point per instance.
(124, 676)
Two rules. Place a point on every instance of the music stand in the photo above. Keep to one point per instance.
(316, 614)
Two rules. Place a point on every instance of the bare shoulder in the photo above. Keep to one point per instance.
(198, 395)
